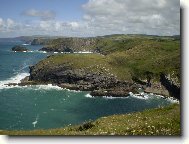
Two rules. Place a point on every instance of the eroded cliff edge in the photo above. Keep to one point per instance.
(127, 63)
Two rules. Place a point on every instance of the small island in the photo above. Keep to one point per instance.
(18, 48)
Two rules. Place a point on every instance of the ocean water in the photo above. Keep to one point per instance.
(48, 106)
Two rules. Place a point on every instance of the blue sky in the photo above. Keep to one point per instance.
(65, 9)
(89, 17)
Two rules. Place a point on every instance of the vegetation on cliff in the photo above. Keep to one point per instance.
(132, 57)
(160, 121)
(104, 44)
(18, 48)
(128, 59)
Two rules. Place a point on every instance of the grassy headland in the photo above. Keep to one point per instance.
(127, 56)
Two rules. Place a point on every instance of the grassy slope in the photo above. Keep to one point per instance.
(160, 121)
(150, 56)
(135, 56)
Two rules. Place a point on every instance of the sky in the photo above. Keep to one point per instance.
(83, 18)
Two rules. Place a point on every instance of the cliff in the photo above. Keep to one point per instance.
(70, 45)
(139, 64)
(82, 72)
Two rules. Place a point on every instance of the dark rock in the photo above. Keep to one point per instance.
(18, 48)
(79, 79)
(172, 88)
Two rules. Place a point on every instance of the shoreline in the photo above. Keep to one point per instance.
(104, 94)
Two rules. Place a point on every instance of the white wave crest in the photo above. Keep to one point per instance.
(36, 51)
(139, 96)
(76, 91)
(15, 79)
(36, 121)
(111, 97)
(88, 96)
(173, 100)
(45, 87)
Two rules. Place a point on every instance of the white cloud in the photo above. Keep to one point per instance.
(74, 24)
(102, 17)
(8, 25)
(160, 17)
(44, 15)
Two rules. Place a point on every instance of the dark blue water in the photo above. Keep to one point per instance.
(42, 107)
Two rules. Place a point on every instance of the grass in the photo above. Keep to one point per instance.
(152, 56)
(128, 57)
(94, 63)
(160, 121)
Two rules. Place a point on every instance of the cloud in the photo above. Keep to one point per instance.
(8, 25)
(102, 17)
(160, 17)
(44, 15)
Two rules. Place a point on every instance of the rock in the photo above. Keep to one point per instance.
(18, 48)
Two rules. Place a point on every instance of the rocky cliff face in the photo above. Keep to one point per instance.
(171, 85)
(79, 79)
(39, 41)
(18, 48)
(70, 45)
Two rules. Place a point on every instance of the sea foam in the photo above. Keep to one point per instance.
(15, 79)
(89, 96)
(139, 96)
(45, 87)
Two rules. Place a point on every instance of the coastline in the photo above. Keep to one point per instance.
(141, 95)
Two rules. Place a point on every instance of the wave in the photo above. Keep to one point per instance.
(89, 96)
(25, 44)
(36, 51)
(32, 51)
(106, 97)
(15, 79)
(110, 97)
(139, 96)
(44, 87)
(173, 100)
(36, 121)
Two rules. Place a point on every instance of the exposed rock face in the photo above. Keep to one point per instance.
(79, 79)
(170, 85)
(70, 45)
(39, 41)
(61, 49)
(18, 48)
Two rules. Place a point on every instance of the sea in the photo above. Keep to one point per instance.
(49, 106)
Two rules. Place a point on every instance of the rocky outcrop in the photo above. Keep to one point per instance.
(64, 49)
(39, 41)
(172, 87)
(79, 79)
(70, 45)
(18, 48)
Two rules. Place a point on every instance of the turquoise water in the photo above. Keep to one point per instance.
(37, 107)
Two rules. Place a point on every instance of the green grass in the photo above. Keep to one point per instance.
(139, 57)
(89, 62)
(159, 121)
(106, 44)
(152, 56)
